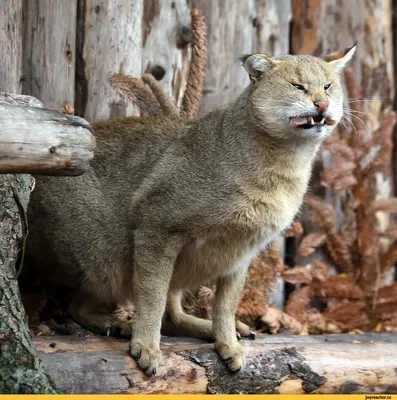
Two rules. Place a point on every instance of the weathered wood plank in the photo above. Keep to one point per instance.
(42, 141)
(272, 27)
(49, 51)
(166, 27)
(284, 364)
(109, 41)
(11, 46)
(230, 34)
(236, 28)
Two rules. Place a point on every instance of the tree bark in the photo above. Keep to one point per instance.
(275, 364)
(20, 369)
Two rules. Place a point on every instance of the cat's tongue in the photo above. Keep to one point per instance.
(296, 122)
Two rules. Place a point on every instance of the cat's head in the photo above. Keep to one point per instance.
(298, 95)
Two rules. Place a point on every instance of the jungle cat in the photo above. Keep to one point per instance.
(169, 204)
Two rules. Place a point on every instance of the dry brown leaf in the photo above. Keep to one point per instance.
(338, 171)
(294, 230)
(272, 256)
(348, 316)
(252, 306)
(297, 275)
(68, 108)
(320, 271)
(275, 319)
(311, 242)
(390, 232)
(390, 325)
(386, 205)
(389, 257)
(387, 294)
(340, 149)
(341, 286)
(386, 311)
(317, 323)
(298, 303)
(336, 243)
(345, 182)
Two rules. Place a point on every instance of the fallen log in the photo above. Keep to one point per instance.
(36, 140)
(275, 364)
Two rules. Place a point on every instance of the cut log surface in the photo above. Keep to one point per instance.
(275, 364)
(41, 141)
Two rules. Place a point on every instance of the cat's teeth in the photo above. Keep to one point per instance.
(311, 120)
(322, 121)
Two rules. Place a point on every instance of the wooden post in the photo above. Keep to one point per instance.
(275, 364)
(11, 46)
(49, 50)
(166, 36)
(109, 41)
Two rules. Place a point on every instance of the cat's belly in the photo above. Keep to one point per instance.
(204, 260)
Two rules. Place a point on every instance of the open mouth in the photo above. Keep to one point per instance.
(310, 121)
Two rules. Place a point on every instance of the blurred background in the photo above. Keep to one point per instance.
(337, 273)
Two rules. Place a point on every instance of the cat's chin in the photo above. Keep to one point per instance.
(315, 132)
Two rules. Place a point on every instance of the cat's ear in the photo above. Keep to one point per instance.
(339, 59)
(257, 64)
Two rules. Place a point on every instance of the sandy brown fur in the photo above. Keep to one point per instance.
(170, 204)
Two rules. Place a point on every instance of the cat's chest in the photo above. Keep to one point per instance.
(269, 213)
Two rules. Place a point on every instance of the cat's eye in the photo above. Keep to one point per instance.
(299, 87)
(327, 86)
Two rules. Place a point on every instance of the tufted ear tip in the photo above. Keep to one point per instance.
(340, 58)
(243, 57)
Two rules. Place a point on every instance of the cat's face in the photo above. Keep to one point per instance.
(297, 95)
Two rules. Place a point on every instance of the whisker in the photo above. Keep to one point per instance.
(361, 101)
(355, 111)
(351, 123)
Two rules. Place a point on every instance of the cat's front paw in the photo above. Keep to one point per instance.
(148, 358)
(232, 354)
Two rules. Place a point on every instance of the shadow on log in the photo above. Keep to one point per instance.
(275, 364)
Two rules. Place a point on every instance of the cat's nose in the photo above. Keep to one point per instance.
(321, 106)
